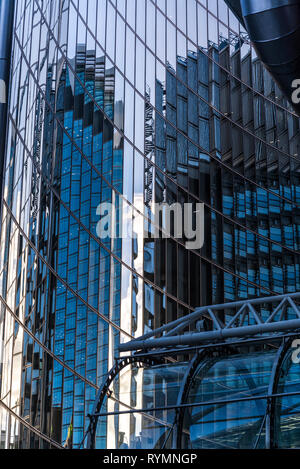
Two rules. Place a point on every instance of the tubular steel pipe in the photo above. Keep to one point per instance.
(198, 404)
(202, 337)
(199, 311)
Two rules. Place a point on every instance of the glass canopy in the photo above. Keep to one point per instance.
(222, 401)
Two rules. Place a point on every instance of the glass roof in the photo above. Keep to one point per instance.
(157, 407)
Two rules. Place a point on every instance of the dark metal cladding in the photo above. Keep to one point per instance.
(274, 29)
(6, 27)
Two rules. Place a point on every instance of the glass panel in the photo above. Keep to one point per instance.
(287, 409)
(228, 425)
(143, 389)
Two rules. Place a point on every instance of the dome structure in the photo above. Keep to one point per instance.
(224, 398)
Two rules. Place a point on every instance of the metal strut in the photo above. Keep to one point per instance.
(245, 322)
(104, 391)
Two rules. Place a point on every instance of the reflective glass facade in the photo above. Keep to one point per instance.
(131, 102)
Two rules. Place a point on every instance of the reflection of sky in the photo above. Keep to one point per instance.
(232, 378)
(226, 418)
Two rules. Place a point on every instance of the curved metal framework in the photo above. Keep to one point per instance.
(104, 392)
(183, 395)
(273, 389)
(274, 29)
(241, 320)
(192, 371)
(202, 361)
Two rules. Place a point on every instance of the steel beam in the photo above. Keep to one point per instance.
(202, 337)
(103, 393)
(271, 390)
(212, 403)
(236, 326)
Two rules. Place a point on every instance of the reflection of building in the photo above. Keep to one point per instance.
(277, 45)
(50, 398)
(105, 111)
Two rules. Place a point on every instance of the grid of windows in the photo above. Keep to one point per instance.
(131, 102)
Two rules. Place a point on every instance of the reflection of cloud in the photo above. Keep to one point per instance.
(2, 92)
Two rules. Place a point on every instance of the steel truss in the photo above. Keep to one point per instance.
(242, 321)
(227, 321)
(200, 364)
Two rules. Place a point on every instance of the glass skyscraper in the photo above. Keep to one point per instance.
(134, 102)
